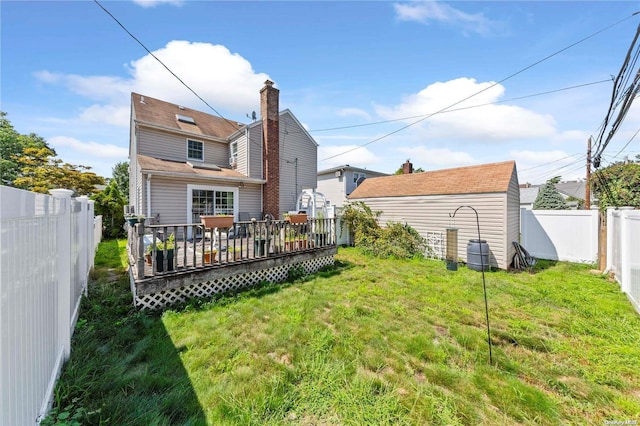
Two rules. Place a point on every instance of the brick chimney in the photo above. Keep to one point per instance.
(407, 168)
(269, 99)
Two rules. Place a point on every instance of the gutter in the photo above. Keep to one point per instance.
(196, 176)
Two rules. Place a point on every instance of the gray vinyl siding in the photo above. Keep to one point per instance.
(169, 198)
(298, 162)
(333, 188)
(513, 215)
(254, 147)
(431, 214)
(242, 162)
(173, 146)
(251, 201)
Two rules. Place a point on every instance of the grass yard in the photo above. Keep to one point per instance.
(370, 342)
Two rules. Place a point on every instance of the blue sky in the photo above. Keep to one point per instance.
(68, 70)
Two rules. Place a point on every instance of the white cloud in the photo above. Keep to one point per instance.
(437, 158)
(225, 80)
(354, 112)
(424, 12)
(360, 157)
(153, 3)
(109, 114)
(484, 124)
(96, 150)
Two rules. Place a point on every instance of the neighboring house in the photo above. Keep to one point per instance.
(337, 183)
(570, 189)
(185, 163)
(425, 201)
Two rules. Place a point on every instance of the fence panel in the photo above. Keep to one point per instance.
(569, 235)
(35, 297)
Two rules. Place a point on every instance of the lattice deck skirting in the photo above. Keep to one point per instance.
(168, 297)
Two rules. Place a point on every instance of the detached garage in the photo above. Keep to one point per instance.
(425, 200)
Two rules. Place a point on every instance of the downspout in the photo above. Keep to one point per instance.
(248, 142)
(148, 194)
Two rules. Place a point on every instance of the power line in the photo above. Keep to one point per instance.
(551, 162)
(483, 90)
(163, 64)
(462, 108)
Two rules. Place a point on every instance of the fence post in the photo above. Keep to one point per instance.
(64, 268)
(625, 252)
(84, 238)
(91, 223)
(139, 230)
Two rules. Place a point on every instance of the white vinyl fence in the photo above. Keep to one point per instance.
(623, 250)
(47, 246)
(569, 235)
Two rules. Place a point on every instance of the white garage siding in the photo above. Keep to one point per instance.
(431, 214)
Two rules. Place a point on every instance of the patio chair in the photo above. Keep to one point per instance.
(523, 260)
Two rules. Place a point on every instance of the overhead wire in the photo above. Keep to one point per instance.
(483, 90)
(462, 108)
(235, 127)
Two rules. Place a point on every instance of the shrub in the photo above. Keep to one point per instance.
(396, 240)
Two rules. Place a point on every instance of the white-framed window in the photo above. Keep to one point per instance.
(195, 150)
(358, 175)
(233, 149)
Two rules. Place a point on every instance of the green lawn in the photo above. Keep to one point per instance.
(370, 342)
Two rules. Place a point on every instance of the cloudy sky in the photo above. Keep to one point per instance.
(444, 84)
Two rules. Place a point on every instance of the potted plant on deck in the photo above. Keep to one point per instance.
(295, 218)
(170, 245)
(217, 221)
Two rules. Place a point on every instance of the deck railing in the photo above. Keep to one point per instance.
(167, 249)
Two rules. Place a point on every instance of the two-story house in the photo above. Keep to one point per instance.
(337, 183)
(185, 163)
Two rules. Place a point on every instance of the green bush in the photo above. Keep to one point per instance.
(396, 240)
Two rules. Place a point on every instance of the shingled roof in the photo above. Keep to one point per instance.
(150, 164)
(155, 111)
(485, 178)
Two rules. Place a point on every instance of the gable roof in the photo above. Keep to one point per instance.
(529, 195)
(485, 178)
(154, 111)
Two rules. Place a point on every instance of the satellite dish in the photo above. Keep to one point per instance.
(253, 116)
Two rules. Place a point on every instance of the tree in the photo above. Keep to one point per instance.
(110, 204)
(549, 198)
(29, 163)
(418, 170)
(12, 148)
(40, 172)
(121, 176)
(617, 185)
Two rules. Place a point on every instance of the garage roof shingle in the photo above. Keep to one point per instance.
(485, 178)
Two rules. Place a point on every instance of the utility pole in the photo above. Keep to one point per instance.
(587, 191)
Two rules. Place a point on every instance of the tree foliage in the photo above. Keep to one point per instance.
(109, 204)
(12, 149)
(121, 176)
(29, 163)
(549, 198)
(396, 240)
(617, 185)
(400, 171)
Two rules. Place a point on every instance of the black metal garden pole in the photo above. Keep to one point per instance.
(484, 285)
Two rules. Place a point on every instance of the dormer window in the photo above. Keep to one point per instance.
(195, 150)
(185, 119)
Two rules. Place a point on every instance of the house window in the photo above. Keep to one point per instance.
(233, 159)
(195, 150)
(358, 175)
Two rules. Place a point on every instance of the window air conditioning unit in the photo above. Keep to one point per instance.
(232, 162)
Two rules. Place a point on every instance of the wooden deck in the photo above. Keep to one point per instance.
(261, 251)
